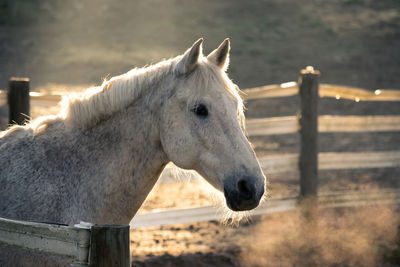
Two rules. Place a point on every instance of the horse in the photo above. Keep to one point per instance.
(97, 160)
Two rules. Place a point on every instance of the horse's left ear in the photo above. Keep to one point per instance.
(191, 57)
(220, 56)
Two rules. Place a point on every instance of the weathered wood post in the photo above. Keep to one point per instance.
(308, 161)
(109, 246)
(18, 100)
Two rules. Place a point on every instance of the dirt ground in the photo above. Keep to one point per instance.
(343, 237)
(67, 45)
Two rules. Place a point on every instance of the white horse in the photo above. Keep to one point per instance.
(99, 158)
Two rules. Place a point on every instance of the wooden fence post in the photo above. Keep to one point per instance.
(109, 246)
(308, 161)
(18, 100)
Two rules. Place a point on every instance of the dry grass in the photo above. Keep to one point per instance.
(342, 237)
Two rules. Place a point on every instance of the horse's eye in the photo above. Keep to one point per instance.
(201, 110)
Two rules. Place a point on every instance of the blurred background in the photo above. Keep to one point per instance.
(352, 42)
(65, 46)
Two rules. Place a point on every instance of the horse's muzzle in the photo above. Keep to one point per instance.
(243, 195)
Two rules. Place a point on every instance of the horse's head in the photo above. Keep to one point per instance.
(202, 127)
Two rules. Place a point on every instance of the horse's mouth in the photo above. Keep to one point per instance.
(236, 203)
(241, 207)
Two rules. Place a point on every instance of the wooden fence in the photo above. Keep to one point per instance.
(83, 244)
(86, 244)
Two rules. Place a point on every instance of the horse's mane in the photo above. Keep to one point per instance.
(95, 103)
(120, 91)
(86, 109)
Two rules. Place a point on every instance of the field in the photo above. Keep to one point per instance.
(66, 46)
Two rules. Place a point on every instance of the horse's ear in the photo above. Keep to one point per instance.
(220, 56)
(191, 57)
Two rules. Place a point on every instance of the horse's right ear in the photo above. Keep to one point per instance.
(220, 56)
(191, 57)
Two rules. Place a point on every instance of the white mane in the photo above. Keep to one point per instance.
(88, 108)
(95, 103)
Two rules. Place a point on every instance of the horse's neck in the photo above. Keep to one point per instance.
(130, 161)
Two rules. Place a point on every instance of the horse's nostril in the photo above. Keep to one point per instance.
(245, 190)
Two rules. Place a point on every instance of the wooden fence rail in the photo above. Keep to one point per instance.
(326, 124)
(325, 90)
(68, 241)
(281, 163)
(87, 245)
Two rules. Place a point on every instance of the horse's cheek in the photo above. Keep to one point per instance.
(181, 152)
(178, 145)
(170, 138)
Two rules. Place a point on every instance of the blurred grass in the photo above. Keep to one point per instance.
(23, 12)
(343, 237)
(353, 2)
